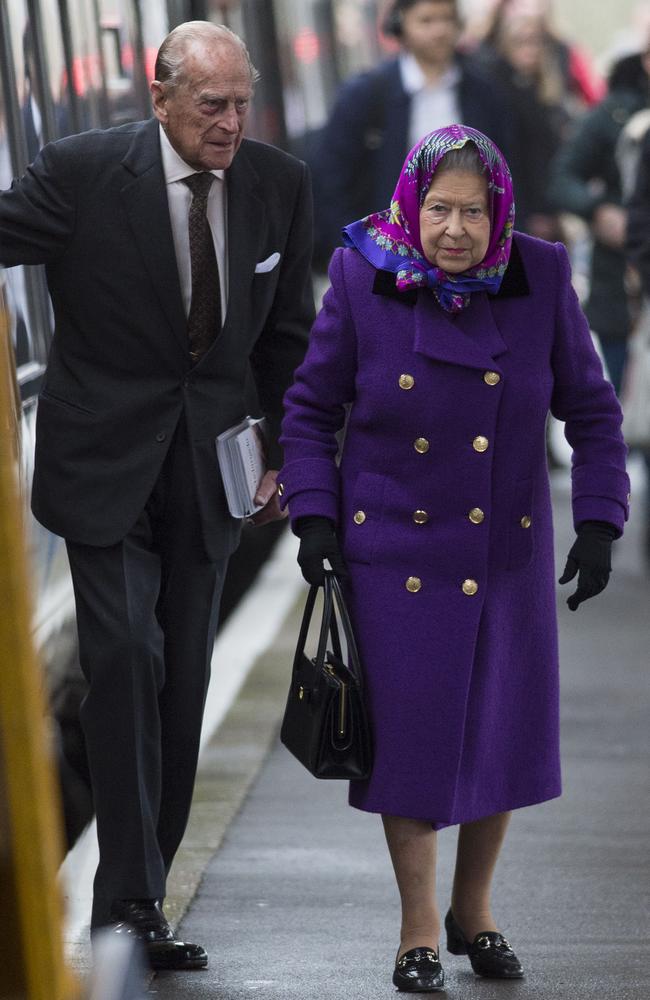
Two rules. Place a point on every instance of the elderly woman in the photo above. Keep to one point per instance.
(452, 337)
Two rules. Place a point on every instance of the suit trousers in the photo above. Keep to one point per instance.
(147, 611)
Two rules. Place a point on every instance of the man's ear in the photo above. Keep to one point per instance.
(159, 101)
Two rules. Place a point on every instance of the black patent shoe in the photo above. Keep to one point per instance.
(489, 952)
(419, 971)
(144, 919)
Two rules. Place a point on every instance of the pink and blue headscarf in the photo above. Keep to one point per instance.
(390, 240)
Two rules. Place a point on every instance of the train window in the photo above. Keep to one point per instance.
(305, 33)
(121, 44)
(21, 135)
(357, 42)
(85, 63)
(153, 27)
(21, 41)
(56, 75)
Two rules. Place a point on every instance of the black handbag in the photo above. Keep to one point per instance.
(325, 723)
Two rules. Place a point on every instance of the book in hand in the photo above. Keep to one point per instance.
(241, 451)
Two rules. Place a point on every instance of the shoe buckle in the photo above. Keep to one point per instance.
(483, 942)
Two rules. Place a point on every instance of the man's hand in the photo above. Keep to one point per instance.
(267, 494)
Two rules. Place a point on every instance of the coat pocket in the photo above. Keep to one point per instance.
(362, 515)
(59, 401)
(521, 526)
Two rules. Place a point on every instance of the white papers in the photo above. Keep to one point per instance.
(242, 462)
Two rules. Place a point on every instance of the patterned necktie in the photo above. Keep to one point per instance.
(204, 320)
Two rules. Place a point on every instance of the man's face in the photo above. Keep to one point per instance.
(204, 113)
(430, 31)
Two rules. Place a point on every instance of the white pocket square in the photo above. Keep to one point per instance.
(267, 265)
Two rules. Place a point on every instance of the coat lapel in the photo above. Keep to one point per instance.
(145, 201)
(472, 339)
(246, 231)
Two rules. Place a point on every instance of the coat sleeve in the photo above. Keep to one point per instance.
(586, 401)
(37, 214)
(315, 406)
(281, 346)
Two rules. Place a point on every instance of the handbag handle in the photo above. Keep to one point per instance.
(333, 603)
(306, 622)
(339, 605)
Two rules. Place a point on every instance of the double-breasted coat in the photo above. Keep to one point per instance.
(442, 506)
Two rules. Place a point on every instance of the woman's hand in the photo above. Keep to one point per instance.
(318, 542)
(590, 557)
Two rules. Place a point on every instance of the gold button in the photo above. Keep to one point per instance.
(476, 515)
(413, 584)
(421, 445)
(359, 517)
(470, 587)
(280, 489)
(420, 516)
(491, 378)
(480, 443)
(526, 521)
(406, 381)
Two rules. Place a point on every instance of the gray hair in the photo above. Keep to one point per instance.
(171, 54)
(466, 158)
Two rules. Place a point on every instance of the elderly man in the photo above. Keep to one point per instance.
(379, 115)
(177, 258)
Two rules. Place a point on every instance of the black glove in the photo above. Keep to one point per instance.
(591, 558)
(318, 541)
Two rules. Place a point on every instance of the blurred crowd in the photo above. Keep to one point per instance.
(578, 144)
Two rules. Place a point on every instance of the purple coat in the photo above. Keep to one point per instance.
(443, 510)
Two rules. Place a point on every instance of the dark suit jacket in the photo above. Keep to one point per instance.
(93, 208)
(360, 152)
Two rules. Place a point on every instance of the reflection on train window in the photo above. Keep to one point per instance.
(125, 86)
(154, 26)
(357, 43)
(21, 39)
(55, 72)
(86, 69)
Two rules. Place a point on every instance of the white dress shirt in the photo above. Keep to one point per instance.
(179, 198)
(433, 105)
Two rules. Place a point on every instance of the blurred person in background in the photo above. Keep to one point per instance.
(586, 181)
(568, 65)
(452, 337)
(380, 114)
(521, 59)
(638, 250)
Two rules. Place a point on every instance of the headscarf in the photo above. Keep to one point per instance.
(390, 240)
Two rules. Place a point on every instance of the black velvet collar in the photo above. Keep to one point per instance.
(514, 284)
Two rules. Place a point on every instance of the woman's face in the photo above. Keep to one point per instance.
(455, 221)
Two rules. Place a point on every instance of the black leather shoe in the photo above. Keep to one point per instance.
(489, 952)
(419, 971)
(144, 918)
